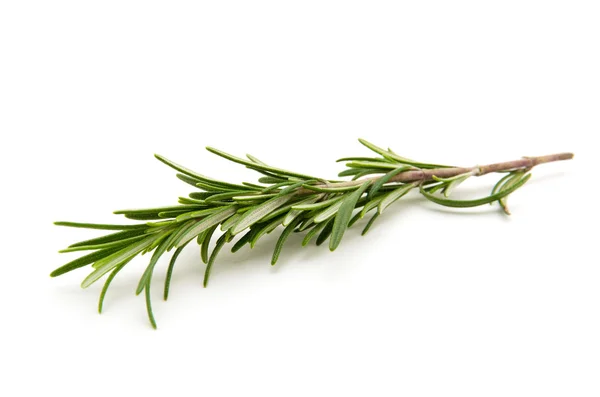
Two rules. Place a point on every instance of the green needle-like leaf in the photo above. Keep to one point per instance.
(111, 244)
(105, 265)
(478, 202)
(282, 237)
(188, 179)
(394, 195)
(330, 189)
(385, 179)
(370, 205)
(251, 217)
(232, 220)
(284, 209)
(201, 178)
(370, 223)
(389, 155)
(149, 307)
(354, 219)
(253, 199)
(271, 179)
(158, 210)
(254, 159)
(378, 159)
(200, 195)
(515, 178)
(343, 216)
(206, 243)
(154, 226)
(179, 232)
(293, 214)
(316, 206)
(276, 171)
(350, 172)
(196, 214)
(206, 223)
(384, 153)
(372, 165)
(245, 239)
(145, 279)
(276, 186)
(325, 232)
(296, 185)
(498, 184)
(265, 228)
(170, 271)
(366, 172)
(220, 243)
(328, 212)
(226, 195)
(313, 232)
(84, 261)
(99, 226)
(109, 279)
(453, 182)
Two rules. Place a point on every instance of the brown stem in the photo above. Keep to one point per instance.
(427, 174)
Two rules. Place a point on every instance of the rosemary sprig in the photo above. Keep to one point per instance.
(298, 202)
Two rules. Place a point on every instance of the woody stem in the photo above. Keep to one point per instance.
(424, 175)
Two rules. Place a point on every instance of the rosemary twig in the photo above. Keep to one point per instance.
(301, 203)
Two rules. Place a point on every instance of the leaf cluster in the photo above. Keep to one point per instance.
(243, 213)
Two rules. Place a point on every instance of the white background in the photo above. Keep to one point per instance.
(431, 302)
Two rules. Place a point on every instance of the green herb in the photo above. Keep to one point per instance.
(245, 211)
